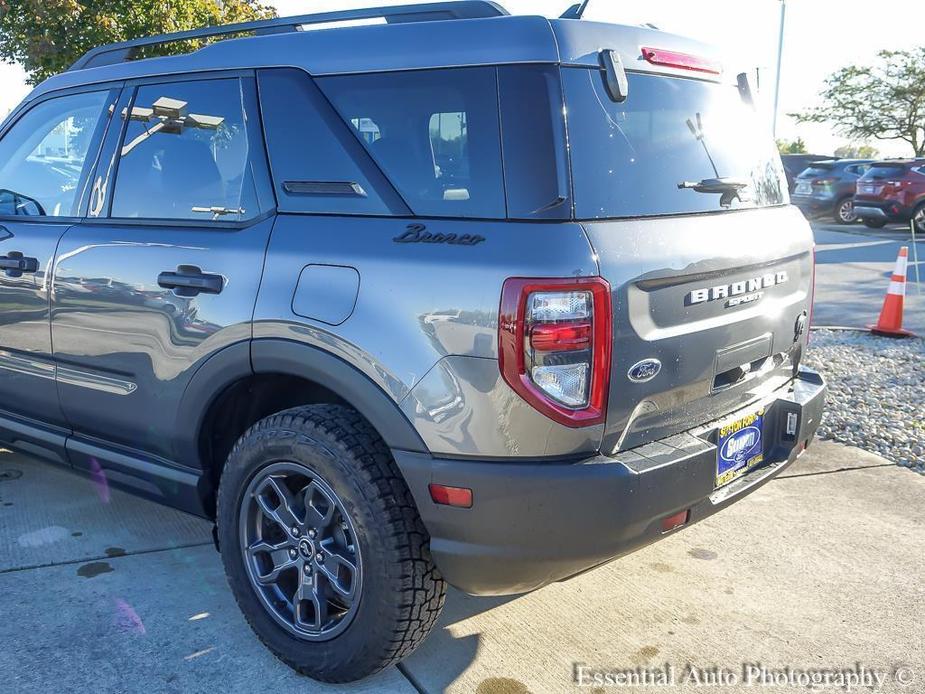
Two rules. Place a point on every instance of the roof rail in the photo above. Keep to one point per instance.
(113, 53)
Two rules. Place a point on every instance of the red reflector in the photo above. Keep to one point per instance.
(550, 337)
(676, 521)
(682, 61)
(451, 496)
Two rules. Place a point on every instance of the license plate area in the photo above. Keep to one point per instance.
(739, 446)
(804, 189)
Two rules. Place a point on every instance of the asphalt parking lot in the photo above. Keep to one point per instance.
(853, 268)
(820, 569)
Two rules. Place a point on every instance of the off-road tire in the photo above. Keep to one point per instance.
(402, 591)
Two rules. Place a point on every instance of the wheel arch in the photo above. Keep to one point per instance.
(250, 380)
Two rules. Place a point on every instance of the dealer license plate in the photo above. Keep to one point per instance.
(739, 447)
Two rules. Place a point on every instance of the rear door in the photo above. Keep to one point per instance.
(163, 273)
(45, 157)
(710, 280)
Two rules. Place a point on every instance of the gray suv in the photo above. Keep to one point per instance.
(448, 296)
(827, 188)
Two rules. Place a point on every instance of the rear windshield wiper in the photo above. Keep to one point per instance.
(728, 188)
(715, 185)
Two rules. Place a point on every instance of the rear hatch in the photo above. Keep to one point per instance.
(712, 281)
(818, 178)
(882, 181)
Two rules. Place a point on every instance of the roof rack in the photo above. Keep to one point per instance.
(114, 53)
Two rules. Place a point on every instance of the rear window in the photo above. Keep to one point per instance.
(628, 159)
(879, 173)
(817, 170)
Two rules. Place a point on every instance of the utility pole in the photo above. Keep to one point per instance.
(780, 59)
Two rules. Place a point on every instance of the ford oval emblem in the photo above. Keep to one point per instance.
(645, 370)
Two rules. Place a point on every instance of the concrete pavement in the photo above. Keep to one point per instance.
(853, 268)
(819, 569)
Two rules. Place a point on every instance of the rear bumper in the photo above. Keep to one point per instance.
(536, 523)
(889, 211)
(813, 206)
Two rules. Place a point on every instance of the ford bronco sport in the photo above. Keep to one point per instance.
(455, 297)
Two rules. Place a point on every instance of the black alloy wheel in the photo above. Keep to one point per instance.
(300, 550)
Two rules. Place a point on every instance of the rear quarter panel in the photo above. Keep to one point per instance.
(424, 324)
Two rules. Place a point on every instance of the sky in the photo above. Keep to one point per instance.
(821, 36)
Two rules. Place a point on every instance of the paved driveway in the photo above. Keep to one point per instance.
(823, 568)
(853, 268)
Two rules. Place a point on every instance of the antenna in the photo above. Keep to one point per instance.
(576, 11)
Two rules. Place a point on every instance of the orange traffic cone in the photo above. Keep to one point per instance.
(890, 323)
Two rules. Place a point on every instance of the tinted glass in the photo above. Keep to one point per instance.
(434, 133)
(878, 173)
(186, 154)
(628, 159)
(318, 165)
(533, 128)
(857, 169)
(46, 155)
(817, 170)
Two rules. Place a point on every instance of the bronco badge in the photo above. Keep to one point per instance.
(738, 293)
(417, 233)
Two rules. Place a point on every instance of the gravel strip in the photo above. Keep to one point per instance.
(876, 393)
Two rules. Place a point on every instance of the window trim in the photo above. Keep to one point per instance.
(114, 89)
(367, 165)
(256, 139)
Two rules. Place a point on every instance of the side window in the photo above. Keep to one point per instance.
(318, 164)
(188, 153)
(435, 133)
(46, 156)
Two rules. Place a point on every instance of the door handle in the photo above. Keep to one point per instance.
(189, 280)
(15, 264)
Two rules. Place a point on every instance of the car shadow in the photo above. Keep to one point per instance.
(443, 656)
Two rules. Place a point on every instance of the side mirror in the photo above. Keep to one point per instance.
(614, 76)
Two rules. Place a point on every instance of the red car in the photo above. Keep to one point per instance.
(892, 191)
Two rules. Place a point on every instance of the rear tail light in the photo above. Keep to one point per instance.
(823, 181)
(554, 344)
(682, 61)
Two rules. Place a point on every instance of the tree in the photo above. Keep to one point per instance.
(47, 36)
(795, 147)
(882, 102)
(857, 152)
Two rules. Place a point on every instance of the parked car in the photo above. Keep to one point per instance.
(379, 373)
(794, 164)
(827, 189)
(892, 191)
